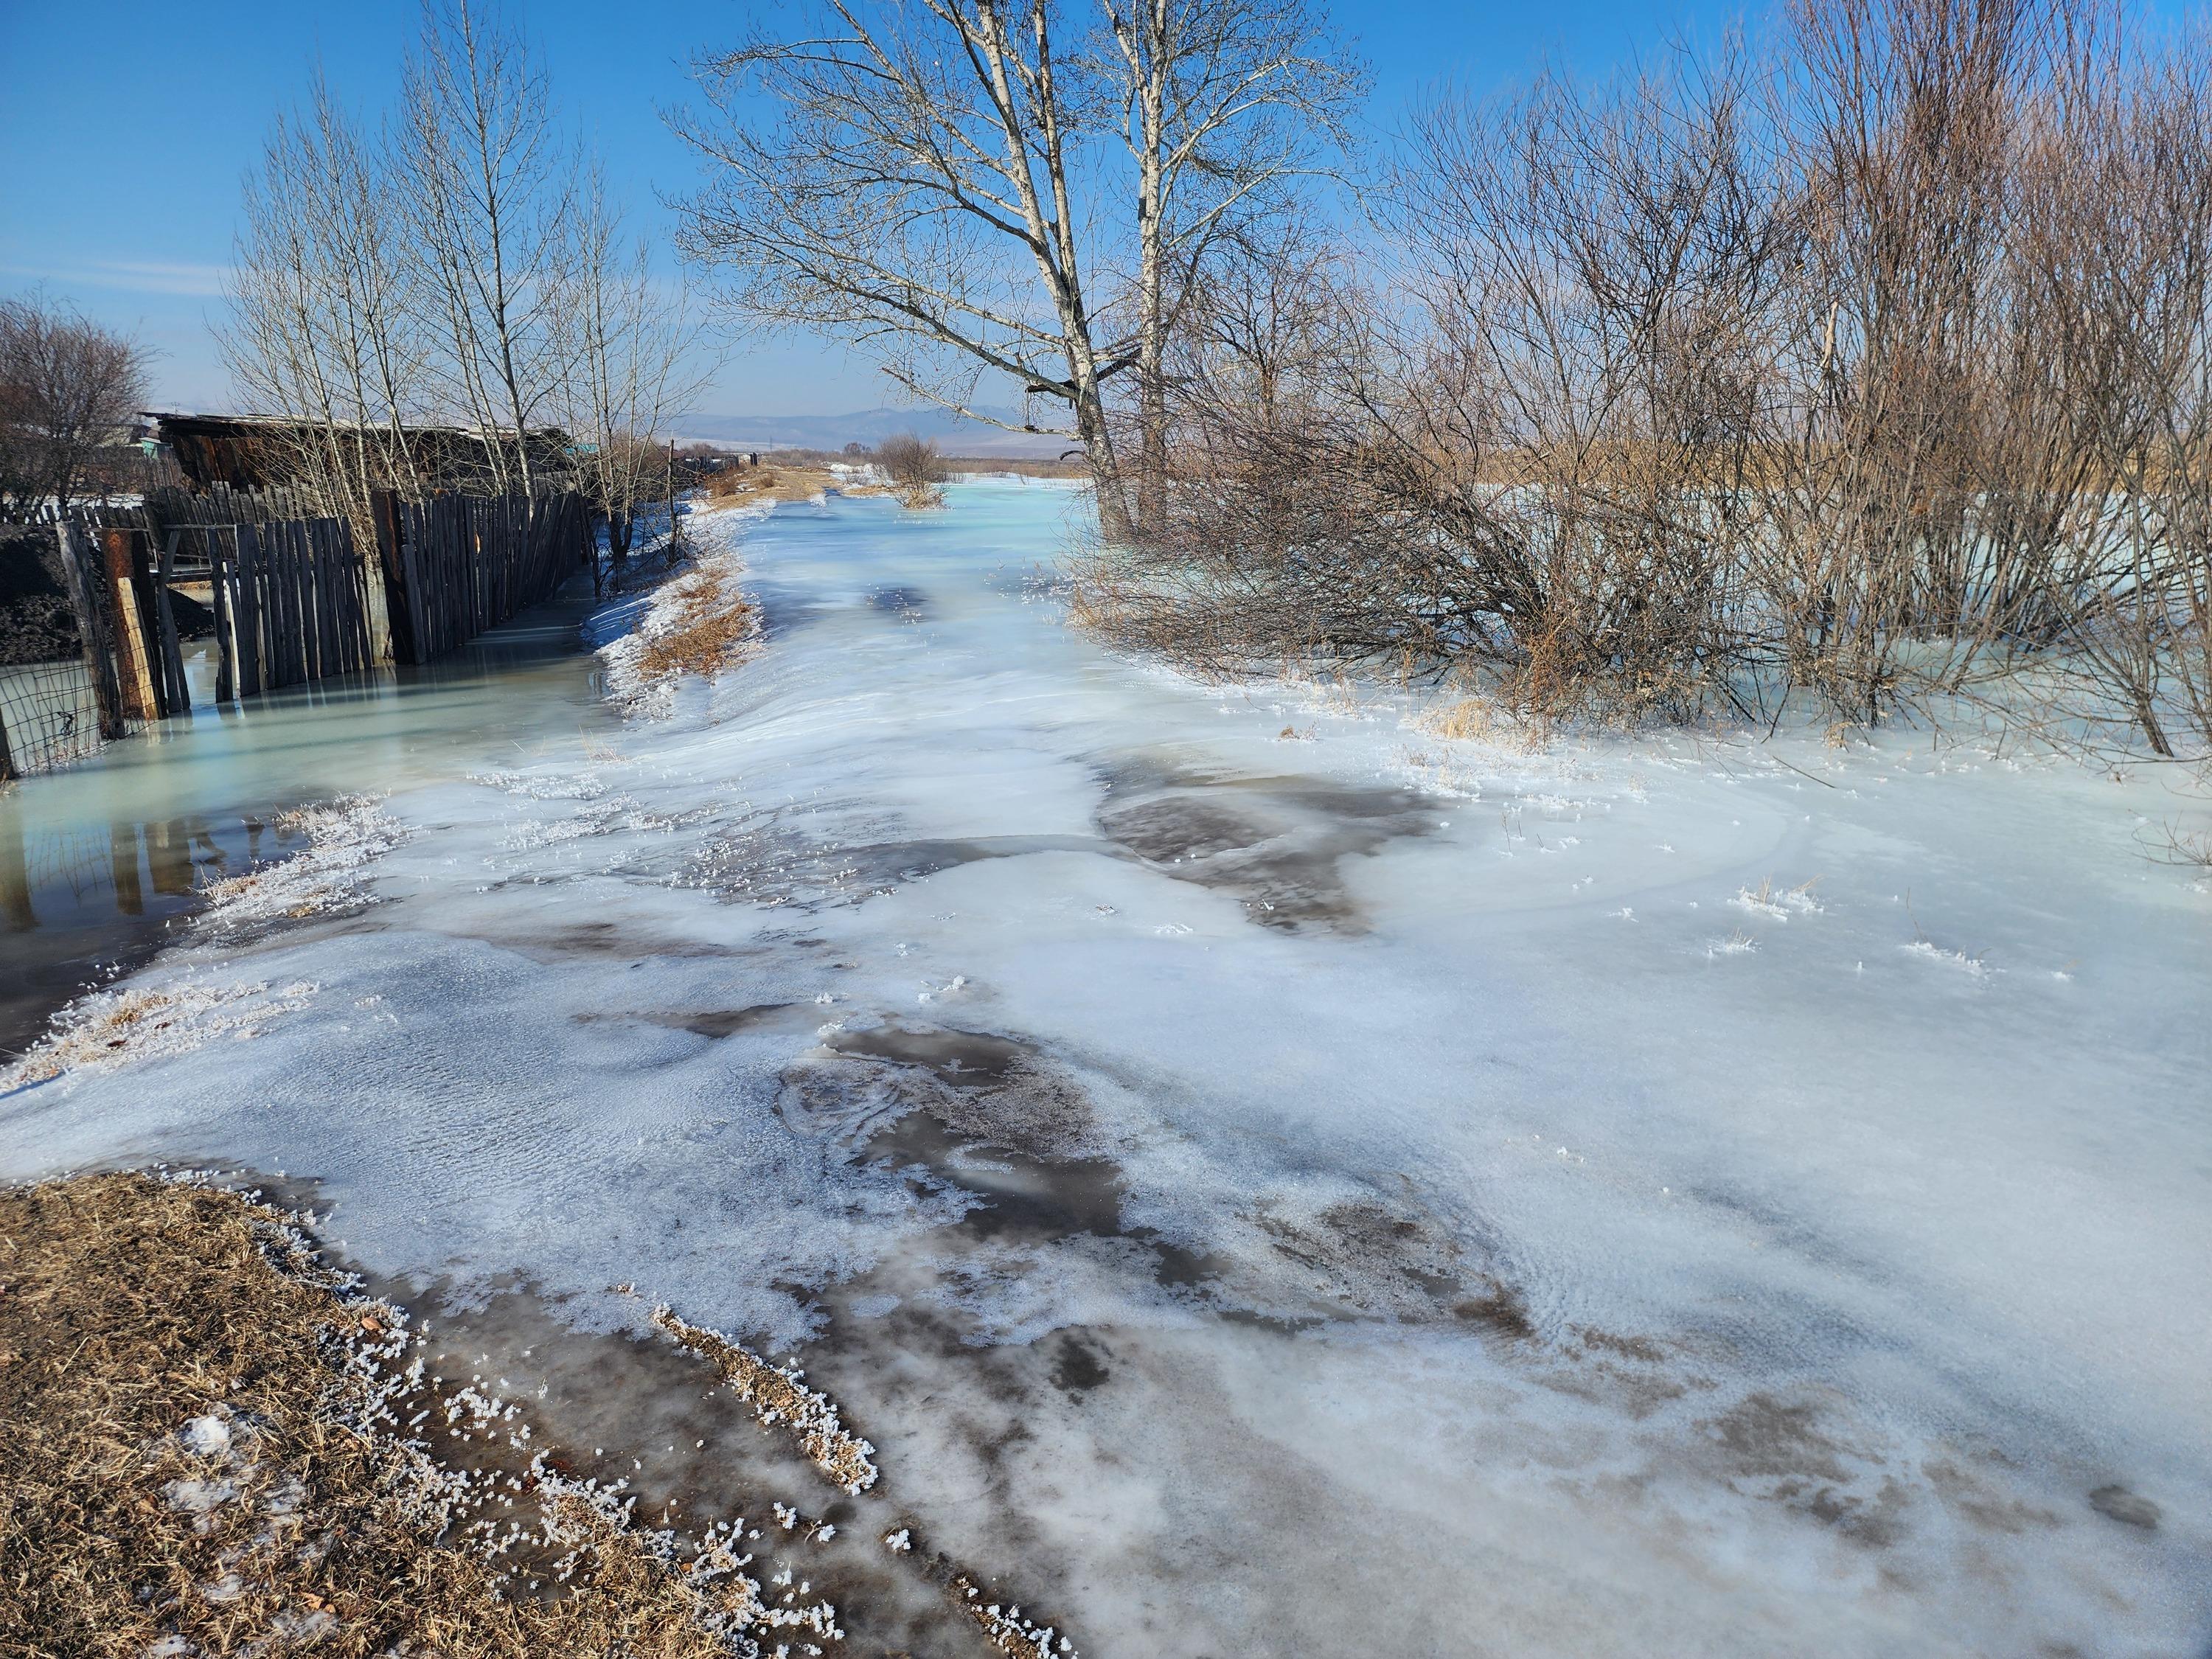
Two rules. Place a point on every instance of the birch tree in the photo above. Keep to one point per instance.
(942, 181)
(323, 317)
(488, 174)
(1223, 102)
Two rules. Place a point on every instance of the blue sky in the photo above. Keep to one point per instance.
(126, 128)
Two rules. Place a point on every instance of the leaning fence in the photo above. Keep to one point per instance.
(96, 603)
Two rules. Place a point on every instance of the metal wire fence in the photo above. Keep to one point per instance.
(49, 713)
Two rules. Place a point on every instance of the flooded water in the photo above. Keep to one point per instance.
(97, 862)
(1267, 1178)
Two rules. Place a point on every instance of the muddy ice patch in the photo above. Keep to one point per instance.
(1358, 1255)
(772, 858)
(990, 1122)
(995, 1091)
(823, 856)
(1278, 844)
(729, 1457)
(1794, 1451)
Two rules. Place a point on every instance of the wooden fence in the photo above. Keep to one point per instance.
(456, 565)
(291, 605)
(295, 597)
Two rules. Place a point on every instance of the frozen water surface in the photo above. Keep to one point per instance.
(1342, 1192)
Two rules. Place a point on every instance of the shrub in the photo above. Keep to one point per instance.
(915, 468)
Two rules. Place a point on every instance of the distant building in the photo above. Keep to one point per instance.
(255, 452)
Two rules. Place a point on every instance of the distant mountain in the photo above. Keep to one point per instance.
(955, 435)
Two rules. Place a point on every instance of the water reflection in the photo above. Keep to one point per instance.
(51, 875)
(99, 863)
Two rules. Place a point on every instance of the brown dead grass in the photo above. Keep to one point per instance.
(736, 486)
(779, 1396)
(131, 1307)
(708, 632)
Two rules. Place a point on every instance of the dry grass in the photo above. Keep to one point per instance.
(195, 1458)
(1011, 466)
(746, 486)
(780, 1396)
(709, 629)
(1002, 1624)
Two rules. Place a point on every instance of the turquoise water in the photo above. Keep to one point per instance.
(100, 861)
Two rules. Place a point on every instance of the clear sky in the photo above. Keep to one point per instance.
(125, 128)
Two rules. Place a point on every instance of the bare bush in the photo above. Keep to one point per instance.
(915, 468)
(1868, 373)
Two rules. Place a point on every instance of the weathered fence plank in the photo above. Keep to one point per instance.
(92, 630)
(251, 651)
(177, 693)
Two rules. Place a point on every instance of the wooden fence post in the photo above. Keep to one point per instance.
(391, 624)
(134, 663)
(85, 599)
(177, 691)
(248, 611)
(221, 576)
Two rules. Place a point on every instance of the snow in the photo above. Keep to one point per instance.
(1255, 1193)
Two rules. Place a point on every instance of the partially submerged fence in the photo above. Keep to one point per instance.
(96, 604)
(456, 565)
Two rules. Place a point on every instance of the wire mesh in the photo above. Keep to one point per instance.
(51, 712)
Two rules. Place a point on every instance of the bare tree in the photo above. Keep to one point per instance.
(915, 468)
(68, 388)
(632, 359)
(465, 267)
(936, 178)
(487, 178)
(1225, 103)
(325, 319)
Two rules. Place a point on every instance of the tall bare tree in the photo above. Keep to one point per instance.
(462, 266)
(632, 359)
(488, 175)
(325, 314)
(1225, 103)
(944, 179)
(68, 387)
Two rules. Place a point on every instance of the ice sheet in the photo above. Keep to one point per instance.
(1353, 1190)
